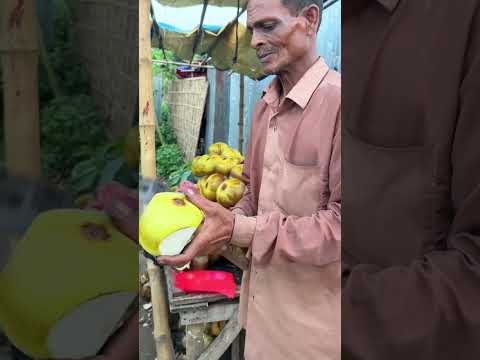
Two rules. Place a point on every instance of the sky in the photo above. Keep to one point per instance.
(188, 18)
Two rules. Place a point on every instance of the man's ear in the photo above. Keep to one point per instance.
(312, 14)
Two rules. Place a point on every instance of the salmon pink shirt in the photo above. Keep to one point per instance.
(290, 219)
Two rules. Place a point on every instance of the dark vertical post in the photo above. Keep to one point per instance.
(222, 106)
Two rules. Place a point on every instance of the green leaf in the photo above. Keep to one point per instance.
(83, 168)
(111, 170)
(169, 159)
(84, 176)
(186, 175)
(180, 174)
(70, 133)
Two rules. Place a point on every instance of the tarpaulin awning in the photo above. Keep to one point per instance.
(216, 41)
(220, 45)
(186, 3)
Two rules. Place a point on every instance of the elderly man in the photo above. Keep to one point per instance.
(289, 218)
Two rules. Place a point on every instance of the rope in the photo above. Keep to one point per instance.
(235, 56)
(199, 33)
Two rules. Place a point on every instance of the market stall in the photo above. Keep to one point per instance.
(198, 312)
(226, 49)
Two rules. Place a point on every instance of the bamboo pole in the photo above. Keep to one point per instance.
(19, 53)
(195, 344)
(146, 101)
(161, 329)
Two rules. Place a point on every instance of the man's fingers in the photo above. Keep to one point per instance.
(128, 227)
(176, 261)
(119, 210)
(182, 259)
(198, 200)
(124, 218)
(186, 186)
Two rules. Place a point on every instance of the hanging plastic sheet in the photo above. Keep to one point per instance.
(187, 3)
(219, 46)
(227, 46)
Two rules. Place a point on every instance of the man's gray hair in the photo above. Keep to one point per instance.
(296, 6)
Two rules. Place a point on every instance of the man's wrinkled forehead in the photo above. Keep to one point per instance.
(264, 10)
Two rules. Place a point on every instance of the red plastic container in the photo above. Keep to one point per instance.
(206, 281)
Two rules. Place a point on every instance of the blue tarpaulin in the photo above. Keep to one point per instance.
(169, 27)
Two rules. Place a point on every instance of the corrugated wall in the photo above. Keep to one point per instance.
(329, 39)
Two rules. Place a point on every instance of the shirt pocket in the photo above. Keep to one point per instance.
(302, 189)
(386, 217)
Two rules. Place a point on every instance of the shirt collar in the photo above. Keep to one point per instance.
(390, 5)
(353, 7)
(303, 89)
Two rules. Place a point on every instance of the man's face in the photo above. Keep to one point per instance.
(278, 36)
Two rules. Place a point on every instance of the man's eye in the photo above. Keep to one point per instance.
(268, 27)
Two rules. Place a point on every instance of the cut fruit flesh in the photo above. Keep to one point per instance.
(176, 242)
(83, 332)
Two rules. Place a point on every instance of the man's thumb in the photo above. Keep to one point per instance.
(124, 218)
(195, 198)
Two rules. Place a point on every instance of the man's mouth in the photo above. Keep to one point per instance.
(263, 57)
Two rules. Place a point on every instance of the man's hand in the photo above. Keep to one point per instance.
(211, 238)
(121, 204)
(124, 218)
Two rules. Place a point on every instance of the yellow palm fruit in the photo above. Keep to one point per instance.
(168, 223)
(71, 273)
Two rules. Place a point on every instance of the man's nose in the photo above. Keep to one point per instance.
(257, 40)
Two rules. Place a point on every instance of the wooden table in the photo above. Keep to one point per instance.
(195, 311)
